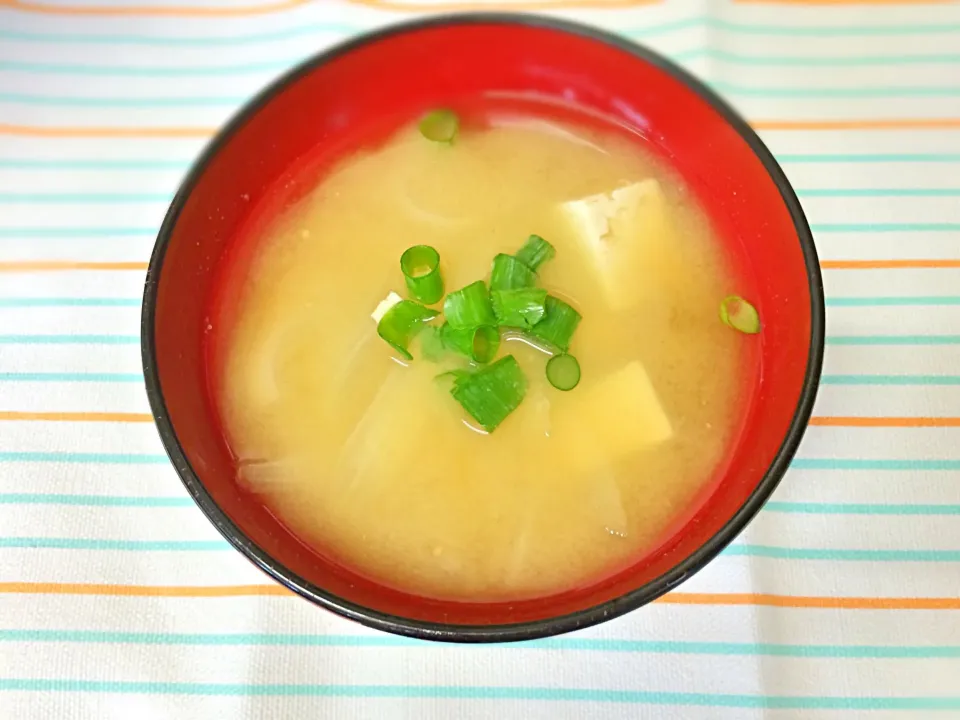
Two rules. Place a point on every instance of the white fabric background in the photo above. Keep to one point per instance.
(119, 600)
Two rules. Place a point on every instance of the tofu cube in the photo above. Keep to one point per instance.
(621, 232)
(611, 419)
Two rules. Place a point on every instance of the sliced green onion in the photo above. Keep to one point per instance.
(740, 315)
(563, 372)
(400, 324)
(384, 305)
(508, 273)
(535, 252)
(557, 326)
(450, 379)
(440, 125)
(491, 394)
(431, 344)
(520, 307)
(480, 344)
(469, 307)
(421, 269)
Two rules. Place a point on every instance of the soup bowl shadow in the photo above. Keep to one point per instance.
(337, 101)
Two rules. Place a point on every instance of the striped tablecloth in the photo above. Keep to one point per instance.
(119, 600)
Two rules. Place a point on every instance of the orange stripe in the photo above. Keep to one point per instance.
(57, 265)
(886, 422)
(844, 2)
(851, 421)
(887, 264)
(77, 416)
(800, 601)
(675, 598)
(28, 588)
(173, 10)
(403, 6)
(898, 124)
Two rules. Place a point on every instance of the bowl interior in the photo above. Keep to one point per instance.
(359, 92)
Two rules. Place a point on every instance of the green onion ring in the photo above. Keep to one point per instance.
(420, 265)
(740, 315)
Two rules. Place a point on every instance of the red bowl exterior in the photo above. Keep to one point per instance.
(345, 94)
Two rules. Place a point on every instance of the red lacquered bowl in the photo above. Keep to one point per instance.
(338, 101)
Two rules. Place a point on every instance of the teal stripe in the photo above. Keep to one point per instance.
(886, 227)
(835, 31)
(818, 60)
(875, 192)
(478, 692)
(123, 102)
(274, 66)
(843, 93)
(69, 339)
(786, 553)
(84, 458)
(20, 302)
(201, 41)
(890, 379)
(305, 30)
(858, 508)
(74, 232)
(94, 500)
(309, 30)
(149, 71)
(763, 551)
(867, 464)
(237, 100)
(865, 158)
(185, 502)
(52, 543)
(149, 164)
(892, 301)
(69, 377)
(585, 644)
(893, 339)
(85, 197)
(112, 198)
(797, 464)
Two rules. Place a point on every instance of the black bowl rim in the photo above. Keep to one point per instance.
(514, 631)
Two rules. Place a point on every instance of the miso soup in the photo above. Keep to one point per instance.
(369, 456)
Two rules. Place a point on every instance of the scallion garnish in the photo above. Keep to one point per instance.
(508, 273)
(421, 269)
(558, 324)
(400, 324)
(520, 307)
(480, 344)
(491, 394)
(535, 252)
(451, 378)
(469, 307)
(474, 316)
(563, 372)
(384, 305)
(431, 344)
(740, 315)
(440, 125)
